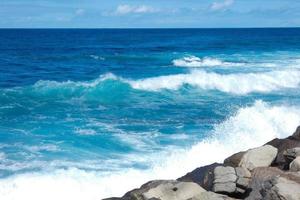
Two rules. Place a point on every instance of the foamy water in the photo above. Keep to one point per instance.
(247, 128)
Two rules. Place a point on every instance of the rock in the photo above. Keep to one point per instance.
(259, 176)
(174, 190)
(291, 154)
(211, 196)
(202, 176)
(224, 174)
(243, 178)
(165, 190)
(282, 145)
(225, 188)
(296, 135)
(280, 188)
(137, 194)
(262, 178)
(234, 160)
(257, 157)
(231, 181)
(295, 165)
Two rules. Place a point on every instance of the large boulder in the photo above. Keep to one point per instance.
(231, 181)
(202, 176)
(257, 157)
(282, 145)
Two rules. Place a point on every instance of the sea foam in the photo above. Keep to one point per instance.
(194, 61)
(249, 127)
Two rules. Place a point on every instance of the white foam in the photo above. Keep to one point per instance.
(2, 156)
(85, 131)
(97, 57)
(239, 83)
(193, 61)
(248, 127)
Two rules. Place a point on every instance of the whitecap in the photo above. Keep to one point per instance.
(193, 61)
(238, 83)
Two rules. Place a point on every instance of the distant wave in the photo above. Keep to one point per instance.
(242, 83)
(238, 83)
(95, 57)
(248, 127)
(193, 61)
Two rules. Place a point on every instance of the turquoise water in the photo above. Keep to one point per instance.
(86, 114)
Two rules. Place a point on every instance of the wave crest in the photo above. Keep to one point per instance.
(241, 83)
(193, 61)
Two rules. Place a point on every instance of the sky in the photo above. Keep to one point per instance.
(149, 13)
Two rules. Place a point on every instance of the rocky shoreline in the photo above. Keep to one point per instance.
(269, 172)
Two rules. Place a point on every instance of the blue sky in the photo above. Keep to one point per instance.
(148, 13)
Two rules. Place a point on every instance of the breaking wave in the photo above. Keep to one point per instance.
(239, 83)
(249, 127)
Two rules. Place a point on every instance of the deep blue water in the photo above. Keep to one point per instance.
(109, 101)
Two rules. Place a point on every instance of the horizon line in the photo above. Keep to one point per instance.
(271, 27)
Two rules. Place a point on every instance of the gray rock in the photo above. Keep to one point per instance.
(225, 188)
(257, 157)
(295, 165)
(242, 172)
(224, 180)
(243, 178)
(280, 188)
(282, 145)
(242, 183)
(291, 154)
(211, 196)
(224, 174)
(173, 190)
(263, 182)
(231, 181)
(259, 176)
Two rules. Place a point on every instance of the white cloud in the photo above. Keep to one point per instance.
(221, 5)
(127, 9)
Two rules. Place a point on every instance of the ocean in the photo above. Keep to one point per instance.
(93, 113)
